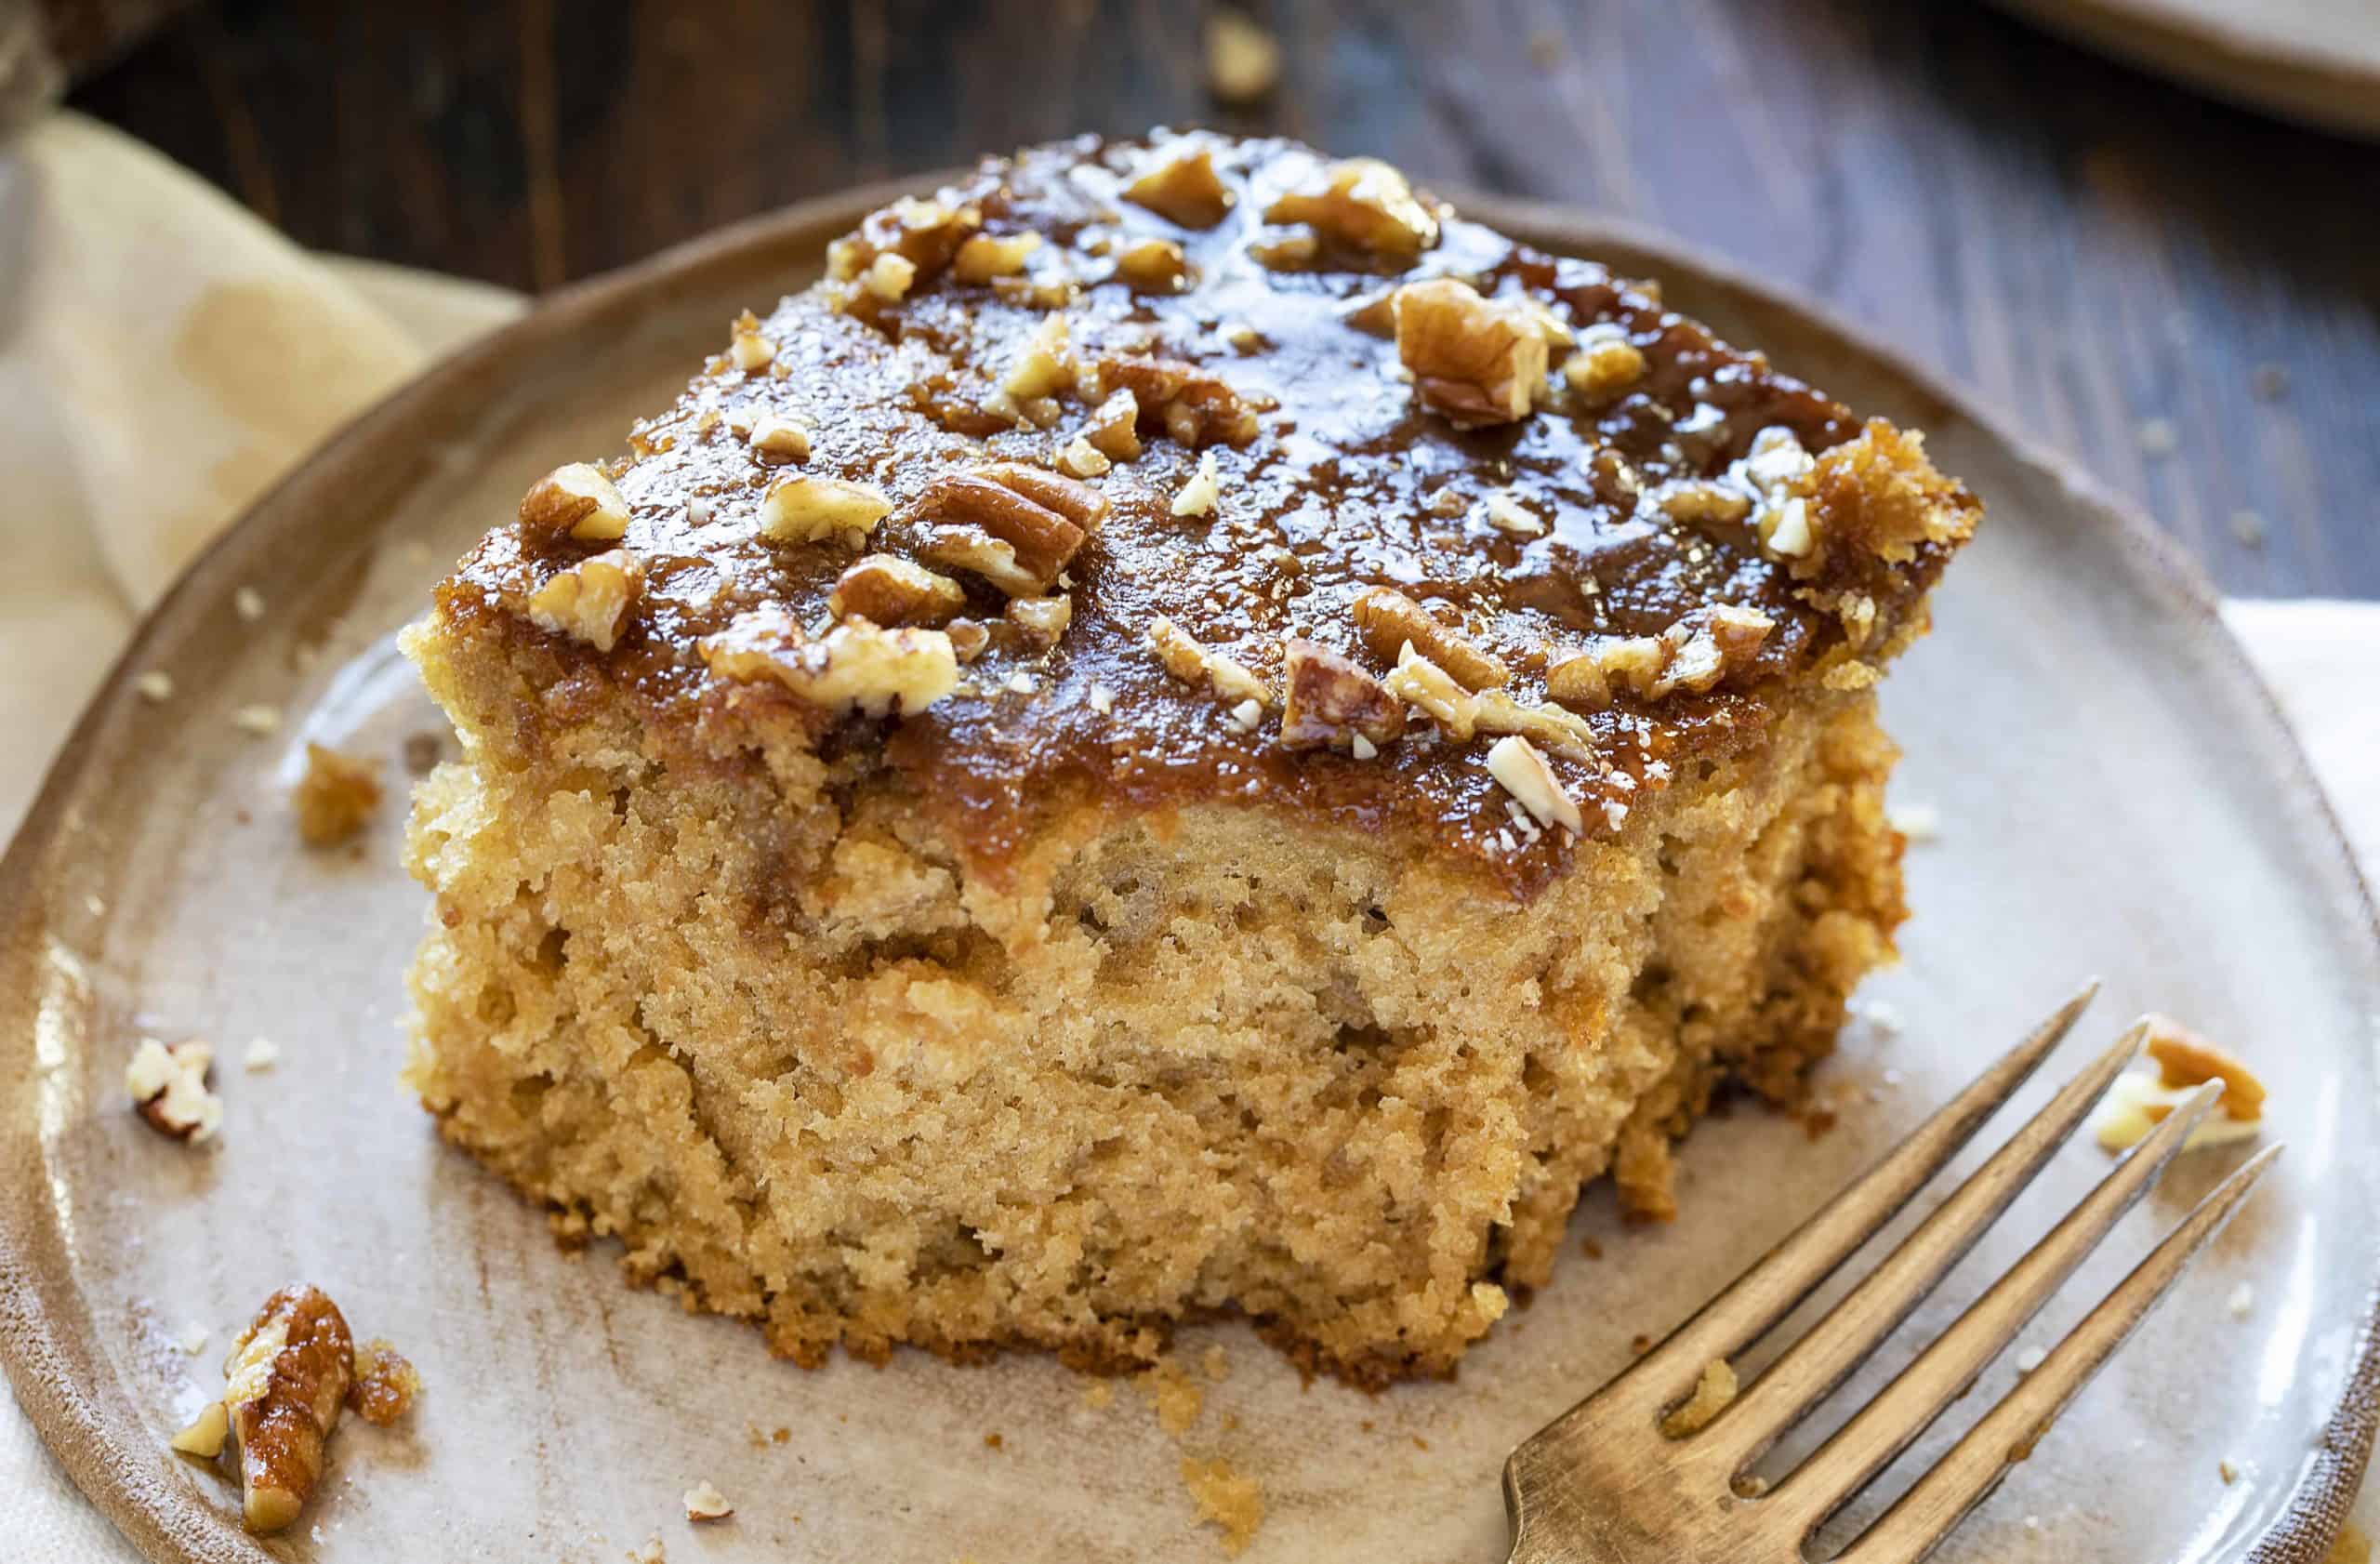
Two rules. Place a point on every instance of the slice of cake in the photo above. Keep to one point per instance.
(1186, 730)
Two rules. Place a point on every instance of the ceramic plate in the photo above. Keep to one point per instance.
(2116, 795)
(2315, 61)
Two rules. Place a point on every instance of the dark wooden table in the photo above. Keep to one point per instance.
(2184, 296)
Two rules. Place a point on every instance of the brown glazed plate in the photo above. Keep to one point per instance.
(2117, 795)
(2313, 61)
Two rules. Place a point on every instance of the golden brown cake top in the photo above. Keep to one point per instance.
(1210, 469)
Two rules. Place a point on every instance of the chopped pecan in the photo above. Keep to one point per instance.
(983, 257)
(1083, 459)
(1459, 713)
(1201, 665)
(1364, 204)
(747, 349)
(1200, 490)
(1604, 364)
(777, 438)
(591, 600)
(1695, 653)
(167, 1083)
(1577, 677)
(287, 1378)
(889, 276)
(1522, 771)
(1044, 366)
(1194, 405)
(893, 592)
(1388, 619)
(1037, 519)
(2184, 1058)
(1114, 430)
(804, 509)
(1043, 619)
(1478, 360)
(578, 501)
(1183, 188)
(968, 639)
(856, 665)
(1154, 266)
(1328, 702)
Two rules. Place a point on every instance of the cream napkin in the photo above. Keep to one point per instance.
(164, 357)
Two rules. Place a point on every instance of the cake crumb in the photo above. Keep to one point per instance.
(651, 1553)
(2158, 437)
(2030, 1358)
(2242, 1301)
(1177, 1399)
(1217, 1364)
(1921, 823)
(1226, 1498)
(1711, 1394)
(261, 1054)
(334, 797)
(248, 603)
(156, 686)
(992, 1441)
(1243, 59)
(2249, 528)
(1099, 1395)
(259, 719)
(193, 1340)
(2227, 1472)
(706, 1502)
(386, 1383)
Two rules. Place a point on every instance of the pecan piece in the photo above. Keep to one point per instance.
(591, 600)
(1196, 406)
(167, 1083)
(1388, 619)
(1478, 360)
(893, 592)
(1522, 771)
(1154, 266)
(287, 1378)
(2184, 1058)
(1183, 189)
(855, 665)
(1328, 702)
(1201, 667)
(575, 501)
(1016, 526)
(804, 509)
(1365, 205)
(1043, 619)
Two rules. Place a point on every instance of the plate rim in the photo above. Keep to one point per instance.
(2277, 77)
(85, 1417)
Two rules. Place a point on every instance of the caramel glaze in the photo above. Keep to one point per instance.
(1350, 481)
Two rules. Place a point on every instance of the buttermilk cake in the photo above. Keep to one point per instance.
(1186, 730)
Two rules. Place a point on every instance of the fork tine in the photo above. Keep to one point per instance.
(1789, 1272)
(1804, 1374)
(1942, 1373)
(2006, 1434)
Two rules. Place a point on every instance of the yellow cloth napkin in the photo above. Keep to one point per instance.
(165, 356)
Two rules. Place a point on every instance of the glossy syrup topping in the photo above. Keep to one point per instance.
(1203, 469)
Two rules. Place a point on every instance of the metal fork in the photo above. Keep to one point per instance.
(1605, 1484)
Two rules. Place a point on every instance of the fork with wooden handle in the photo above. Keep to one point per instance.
(1627, 1477)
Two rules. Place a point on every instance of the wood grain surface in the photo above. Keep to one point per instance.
(2183, 295)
